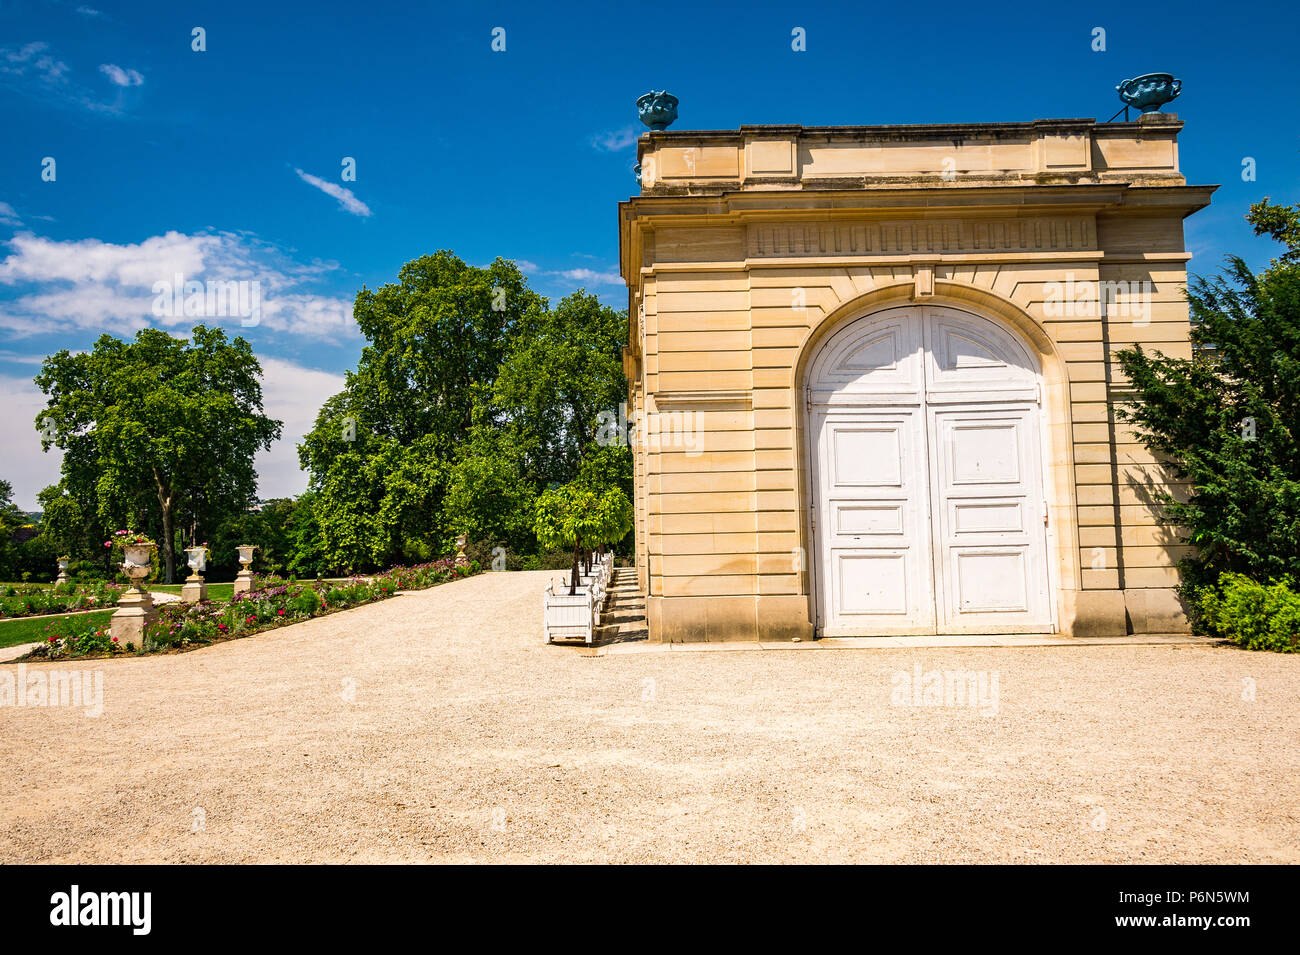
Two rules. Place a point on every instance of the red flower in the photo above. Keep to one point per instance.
(280, 612)
(115, 639)
(108, 543)
(54, 639)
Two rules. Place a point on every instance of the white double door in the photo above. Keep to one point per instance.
(930, 511)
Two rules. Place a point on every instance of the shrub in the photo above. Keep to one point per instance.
(305, 603)
(488, 554)
(1253, 615)
(86, 571)
(547, 560)
(34, 600)
(71, 638)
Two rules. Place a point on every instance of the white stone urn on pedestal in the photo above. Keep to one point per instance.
(135, 606)
(63, 577)
(196, 588)
(461, 559)
(244, 579)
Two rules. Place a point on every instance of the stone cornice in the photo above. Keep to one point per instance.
(1007, 224)
(888, 202)
(905, 132)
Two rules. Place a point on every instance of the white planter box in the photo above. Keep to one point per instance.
(569, 617)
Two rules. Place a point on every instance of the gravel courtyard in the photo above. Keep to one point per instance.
(436, 727)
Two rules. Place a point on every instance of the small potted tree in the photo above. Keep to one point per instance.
(580, 517)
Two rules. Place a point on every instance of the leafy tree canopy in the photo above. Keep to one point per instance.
(576, 515)
(11, 518)
(471, 396)
(1226, 421)
(172, 419)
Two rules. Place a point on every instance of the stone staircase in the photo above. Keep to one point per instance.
(624, 618)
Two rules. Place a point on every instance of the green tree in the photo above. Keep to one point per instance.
(564, 369)
(11, 518)
(559, 388)
(382, 449)
(1226, 421)
(305, 544)
(574, 515)
(489, 494)
(179, 419)
(267, 525)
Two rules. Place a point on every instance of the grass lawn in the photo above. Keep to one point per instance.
(215, 591)
(31, 629)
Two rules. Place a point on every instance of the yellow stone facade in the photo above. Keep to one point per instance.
(746, 249)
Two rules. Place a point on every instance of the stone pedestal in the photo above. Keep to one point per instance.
(244, 579)
(134, 610)
(195, 588)
(63, 577)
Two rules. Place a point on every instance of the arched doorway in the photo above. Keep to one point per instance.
(927, 486)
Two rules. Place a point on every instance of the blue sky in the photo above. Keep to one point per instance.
(227, 162)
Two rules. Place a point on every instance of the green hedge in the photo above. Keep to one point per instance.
(1253, 615)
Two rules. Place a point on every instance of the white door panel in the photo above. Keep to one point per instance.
(989, 539)
(873, 516)
(927, 478)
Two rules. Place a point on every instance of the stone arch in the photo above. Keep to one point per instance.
(1057, 431)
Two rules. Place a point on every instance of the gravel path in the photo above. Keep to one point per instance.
(436, 726)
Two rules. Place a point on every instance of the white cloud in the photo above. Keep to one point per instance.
(9, 215)
(293, 394)
(347, 201)
(32, 60)
(37, 259)
(614, 140)
(119, 76)
(89, 12)
(34, 70)
(90, 284)
(25, 466)
(590, 275)
(314, 315)
(20, 358)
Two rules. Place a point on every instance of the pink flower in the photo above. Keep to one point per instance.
(108, 543)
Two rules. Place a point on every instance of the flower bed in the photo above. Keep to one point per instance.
(275, 603)
(30, 601)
